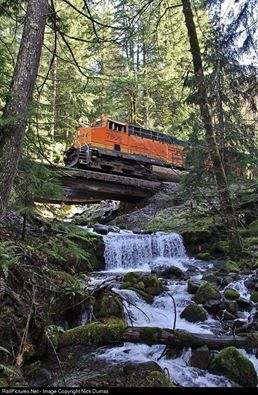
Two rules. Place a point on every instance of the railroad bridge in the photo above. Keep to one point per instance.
(85, 187)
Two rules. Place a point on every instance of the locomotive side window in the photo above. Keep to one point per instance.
(117, 147)
(116, 126)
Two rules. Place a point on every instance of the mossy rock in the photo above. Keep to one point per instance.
(96, 333)
(146, 286)
(254, 296)
(255, 265)
(205, 293)
(147, 297)
(160, 379)
(140, 285)
(231, 267)
(107, 305)
(231, 294)
(205, 256)
(231, 363)
(226, 281)
(210, 278)
(132, 277)
(194, 313)
(153, 285)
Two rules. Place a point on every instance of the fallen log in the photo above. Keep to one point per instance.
(116, 331)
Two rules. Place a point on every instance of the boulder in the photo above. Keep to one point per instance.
(254, 296)
(231, 363)
(231, 267)
(200, 357)
(205, 293)
(107, 305)
(192, 286)
(194, 313)
(231, 293)
(172, 272)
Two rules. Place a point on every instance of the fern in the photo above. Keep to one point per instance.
(8, 256)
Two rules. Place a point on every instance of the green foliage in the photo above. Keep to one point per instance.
(8, 257)
(34, 180)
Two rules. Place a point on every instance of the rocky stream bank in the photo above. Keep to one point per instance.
(130, 308)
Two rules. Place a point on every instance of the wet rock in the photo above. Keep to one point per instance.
(210, 278)
(194, 313)
(244, 304)
(231, 267)
(146, 286)
(192, 286)
(225, 315)
(149, 366)
(200, 357)
(226, 281)
(172, 272)
(212, 306)
(205, 293)
(231, 293)
(231, 306)
(254, 296)
(105, 229)
(102, 212)
(232, 364)
(107, 306)
(250, 283)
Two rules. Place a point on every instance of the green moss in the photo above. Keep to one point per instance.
(254, 296)
(147, 297)
(231, 294)
(205, 293)
(231, 267)
(222, 246)
(194, 313)
(210, 278)
(153, 285)
(107, 306)
(71, 285)
(146, 286)
(96, 333)
(252, 339)
(160, 379)
(232, 364)
(251, 241)
(132, 277)
(149, 335)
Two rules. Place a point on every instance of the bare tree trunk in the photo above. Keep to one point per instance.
(220, 177)
(20, 97)
(54, 96)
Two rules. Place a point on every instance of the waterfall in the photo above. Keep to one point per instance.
(126, 250)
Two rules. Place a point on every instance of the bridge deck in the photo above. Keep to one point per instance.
(85, 186)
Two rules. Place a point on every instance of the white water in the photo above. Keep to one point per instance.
(126, 251)
(129, 251)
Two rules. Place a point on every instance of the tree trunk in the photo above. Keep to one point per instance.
(106, 333)
(54, 97)
(220, 176)
(17, 107)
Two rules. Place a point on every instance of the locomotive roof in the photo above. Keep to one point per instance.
(147, 133)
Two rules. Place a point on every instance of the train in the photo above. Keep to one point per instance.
(126, 149)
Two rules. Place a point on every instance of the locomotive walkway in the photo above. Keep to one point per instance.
(85, 186)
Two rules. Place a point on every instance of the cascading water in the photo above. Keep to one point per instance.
(126, 250)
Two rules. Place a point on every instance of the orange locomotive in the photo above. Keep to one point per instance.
(122, 148)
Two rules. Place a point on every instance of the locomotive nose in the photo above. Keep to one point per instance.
(71, 157)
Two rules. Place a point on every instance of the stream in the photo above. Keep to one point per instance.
(126, 251)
